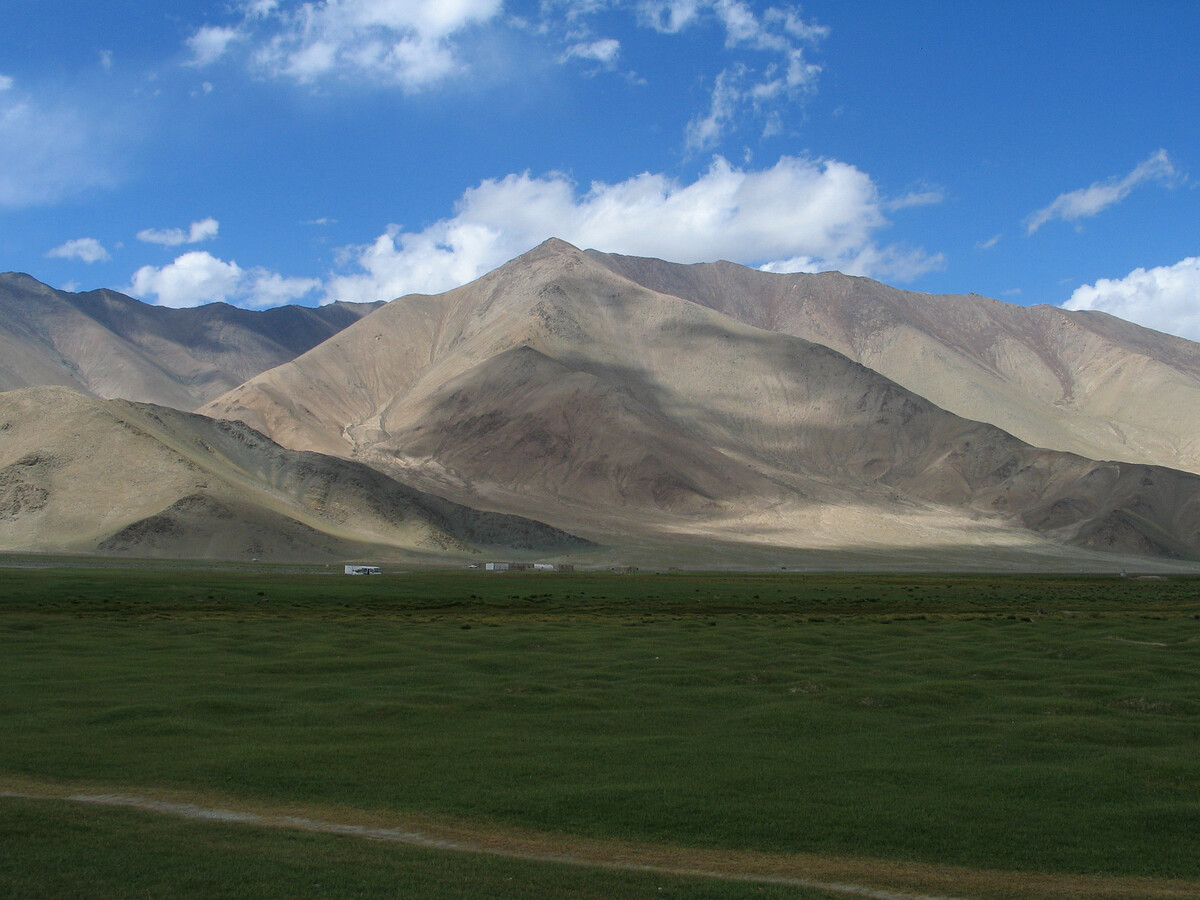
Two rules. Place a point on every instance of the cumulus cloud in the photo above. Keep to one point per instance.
(173, 237)
(50, 151)
(1165, 298)
(1087, 202)
(198, 277)
(88, 250)
(263, 288)
(412, 43)
(798, 215)
(192, 279)
(210, 43)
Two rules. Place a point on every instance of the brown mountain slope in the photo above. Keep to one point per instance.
(79, 474)
(556, 385)
(1083, 382)
(110, 345)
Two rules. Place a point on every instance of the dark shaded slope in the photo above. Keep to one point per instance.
(1083, 382)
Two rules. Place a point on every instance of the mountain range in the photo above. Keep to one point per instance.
(633, 409)
(109, 345)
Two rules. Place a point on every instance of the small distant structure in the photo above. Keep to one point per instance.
(363, 570)
(527, 567)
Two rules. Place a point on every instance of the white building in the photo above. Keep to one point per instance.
(363, 570)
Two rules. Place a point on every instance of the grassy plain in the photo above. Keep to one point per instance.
(1016, 723)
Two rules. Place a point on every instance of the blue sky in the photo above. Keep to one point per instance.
(271, 151)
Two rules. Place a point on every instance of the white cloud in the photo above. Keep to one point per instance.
(211, 42)
(417, 44)
(741, 25)
(604, 51)
(88, 250)
(192, 279)
(917, 198)
(412, 43)
(669, 16)
(256, 9)
(795, 26)
(1087, 202)
(799, 214)
(742, 89)
(173, 237)
(989, 243)
(895, 262)
(51, 151)
(198, 277)
(1165, 298)
(706, 131)
(6, 82)
(264, 288)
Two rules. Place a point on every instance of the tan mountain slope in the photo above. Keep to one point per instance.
(79, 474)
(110, 345)
(1083, 382)
(556, 385)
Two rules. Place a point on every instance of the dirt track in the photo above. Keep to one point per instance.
(852, 877)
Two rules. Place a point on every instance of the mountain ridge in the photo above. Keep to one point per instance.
(114, 346)
(1082, 382)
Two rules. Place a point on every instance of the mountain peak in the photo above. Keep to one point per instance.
(555, 245)
(548, 248)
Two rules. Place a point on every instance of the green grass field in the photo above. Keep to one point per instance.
(63, 851)
(1033, 724)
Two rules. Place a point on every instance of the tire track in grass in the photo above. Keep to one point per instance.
(873, 879)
